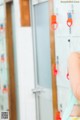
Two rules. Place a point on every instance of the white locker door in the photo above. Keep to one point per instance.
(75, 44)
(43, 89)
(62, 52)
(63, 49)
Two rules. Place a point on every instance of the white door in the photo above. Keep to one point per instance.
(43, 84)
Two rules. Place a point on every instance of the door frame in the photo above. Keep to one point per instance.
(10, 57)
(53, 60)
(35, 56)
(52, 53)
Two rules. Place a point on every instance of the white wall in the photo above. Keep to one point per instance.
(24, 67)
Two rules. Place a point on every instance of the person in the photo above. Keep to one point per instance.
(72, 111)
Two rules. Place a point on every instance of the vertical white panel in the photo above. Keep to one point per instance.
(25, 67)
(62, 52)
(62, 98)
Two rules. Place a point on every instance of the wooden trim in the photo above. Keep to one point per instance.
(53, 57)
(25, 12)
(9, 42)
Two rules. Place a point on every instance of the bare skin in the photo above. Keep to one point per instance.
(74, 77)
(74, 73)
